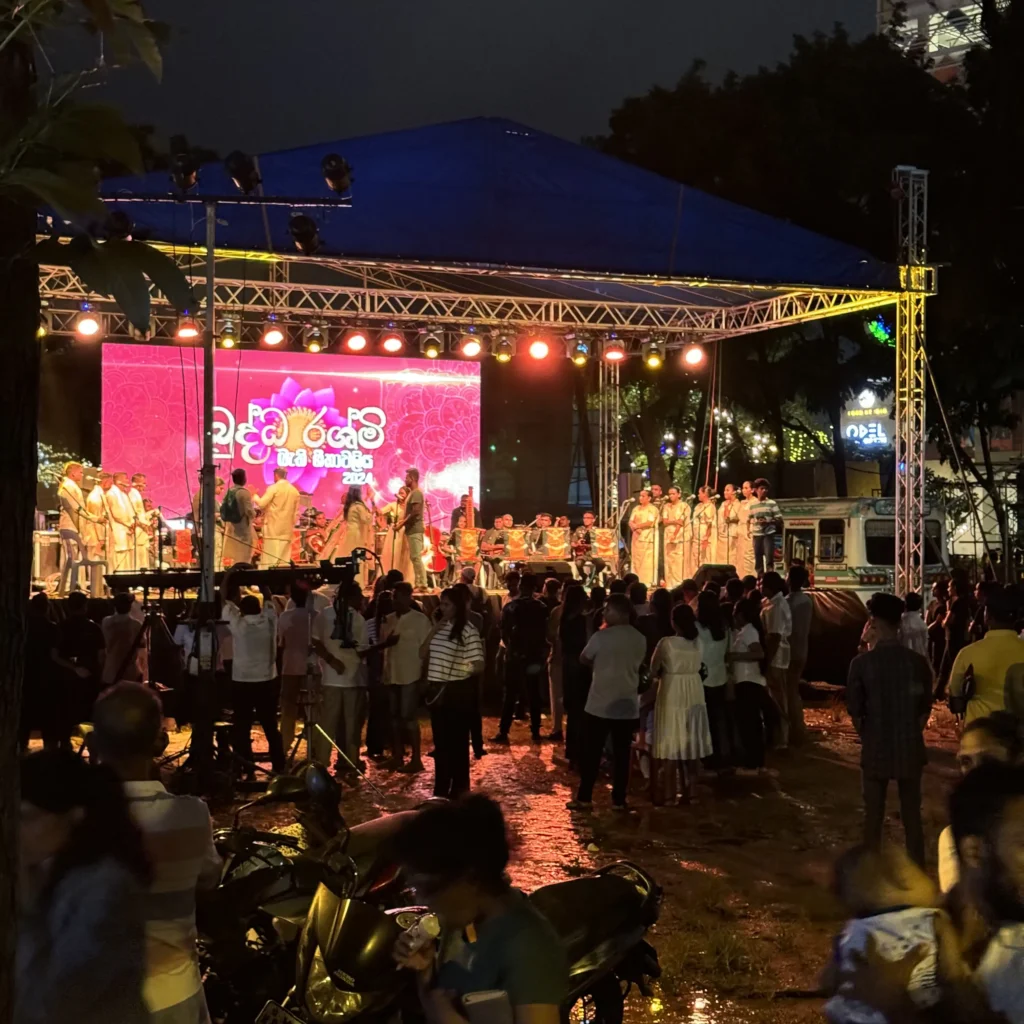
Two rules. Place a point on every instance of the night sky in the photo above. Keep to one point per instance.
(268, 74)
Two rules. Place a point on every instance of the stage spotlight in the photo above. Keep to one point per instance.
(228, 334)
(337, 173)
(241, 169)
(88, 324)
(303, 229)
(694, 356)
(653, 353)
(188, 329)
(471, 346)
(118, 226)
(184, 171)
(504, 349)
(45, 323)
(391, 341)
(538, 349)
(580, 352)
(614, 350)
(273, 331)
(431, 344)
(314, 336)
(355, 341)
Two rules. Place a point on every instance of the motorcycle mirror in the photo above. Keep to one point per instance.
(320, 786)
(283, 789)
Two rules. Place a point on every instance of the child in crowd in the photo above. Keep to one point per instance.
(894, 910)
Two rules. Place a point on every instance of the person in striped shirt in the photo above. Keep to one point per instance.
(127, 735)
(764, 519)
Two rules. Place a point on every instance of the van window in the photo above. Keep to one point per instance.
(880, 541)
(831, 540)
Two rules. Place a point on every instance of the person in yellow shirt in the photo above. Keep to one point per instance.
(997, 663)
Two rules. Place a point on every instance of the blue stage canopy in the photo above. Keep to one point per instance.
(492, 192)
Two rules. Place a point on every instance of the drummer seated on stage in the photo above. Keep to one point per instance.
(492, 549)
(583, 549)
(538, 540)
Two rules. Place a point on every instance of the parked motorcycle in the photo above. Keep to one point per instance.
(345, 970)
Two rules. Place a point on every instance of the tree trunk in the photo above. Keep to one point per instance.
(651, 434)
(838, 457)
(19, 415)
(992, 489)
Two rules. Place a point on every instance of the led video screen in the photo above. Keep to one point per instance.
(331, 420)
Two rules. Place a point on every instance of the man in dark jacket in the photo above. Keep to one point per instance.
(888, 694)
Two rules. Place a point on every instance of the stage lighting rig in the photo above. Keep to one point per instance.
(45, 323)
(614, 349)
(337, 173)
(653, 353)
(314, 336)
(188, 329)
(355, 341)
(391, 341)
(88, 323)
(241, 169)
(504, 349)
(579, 349)
(694, 356)
(228, 333)
(304, 230)
(471, 345)
(431, 344)
(273, 331)
(538, 348)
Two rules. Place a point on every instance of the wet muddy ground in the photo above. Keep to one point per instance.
(747, 917)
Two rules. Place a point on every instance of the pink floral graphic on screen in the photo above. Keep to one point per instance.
(296, 407)
(430, 424)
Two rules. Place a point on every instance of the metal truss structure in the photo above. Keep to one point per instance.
(606, 502)
(917, 279)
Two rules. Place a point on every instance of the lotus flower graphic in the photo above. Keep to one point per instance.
(299, 406)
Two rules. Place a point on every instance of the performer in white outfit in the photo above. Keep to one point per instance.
(729, 543)
(239, 536)
(143, 529)
(280, 505)
(73, 518)
(121, 519)
(675, 514)
(94, 528)
(395, 549)
(745, 566)
(705, 527)
(643, 523)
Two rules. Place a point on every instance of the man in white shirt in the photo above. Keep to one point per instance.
(343, 709)
(74, 518)
(122, 647)
(613, 703)
(94, 529)
(121, 519)
(280, 505)
(300, 669)
(142, 522)
(254, 682)
(801, 610)
(178, 835)
(777, 621)
(402, 634)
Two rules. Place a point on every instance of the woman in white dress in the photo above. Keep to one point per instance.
(705, 527)
(745, 562)
(729, 544)
(643, 522)
(675, 514)
(358, 531)
(681, 732)
(395, 552)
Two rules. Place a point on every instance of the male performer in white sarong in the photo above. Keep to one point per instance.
(280, 505)
(143, 528)
(121, 519)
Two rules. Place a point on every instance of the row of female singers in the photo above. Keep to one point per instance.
(671, 541)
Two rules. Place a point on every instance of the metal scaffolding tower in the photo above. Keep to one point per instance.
(917, 279)
(606, 504)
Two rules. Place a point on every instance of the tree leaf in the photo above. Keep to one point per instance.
(96, 132)
(70, 189)
(127, 284)
(90, 269)
(161, 270)
(101, 14)
(144, 43)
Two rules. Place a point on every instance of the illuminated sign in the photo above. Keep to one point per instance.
(871, 433)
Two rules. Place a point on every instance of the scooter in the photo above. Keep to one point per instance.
(345, 970)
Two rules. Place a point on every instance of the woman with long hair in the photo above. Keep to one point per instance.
(454, 653)
(378, 721)
(955, 625)
(756, 712)
(573, 633)
(395, 551)
(358, 531)
(681, 734)
(714, 645)
(598, 596)
(83, 880)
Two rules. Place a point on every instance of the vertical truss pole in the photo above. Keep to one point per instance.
(606, 505)
(911, 187)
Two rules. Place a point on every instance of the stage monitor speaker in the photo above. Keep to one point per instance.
(547, 567)
(714, 572)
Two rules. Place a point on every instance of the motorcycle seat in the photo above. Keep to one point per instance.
(587, 912)
(368, 844)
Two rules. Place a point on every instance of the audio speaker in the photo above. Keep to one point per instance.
(716, 573)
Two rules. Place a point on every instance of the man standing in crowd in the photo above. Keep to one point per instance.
(121, 640)
(413, 526)
(801, 610)
(128, 734)
(997, 662)
(81, 653)
(524, 632)
(141, 525)
(237, 514)
(300, 669)
(778, 627)
(402, 634)
(764, 517)
(889, 697)
(613, 704)
(339, 634)
(254, 683)
(280, 506)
